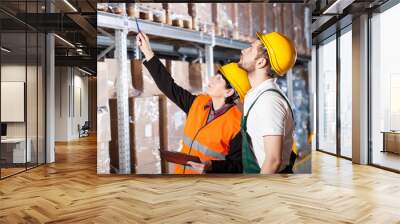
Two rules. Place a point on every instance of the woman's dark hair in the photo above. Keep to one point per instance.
(231, 99)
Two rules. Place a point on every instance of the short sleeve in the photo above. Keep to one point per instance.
(272, 109)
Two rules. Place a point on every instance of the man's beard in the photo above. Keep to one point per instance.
(247, 67)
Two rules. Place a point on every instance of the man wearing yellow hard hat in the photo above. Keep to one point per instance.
(267, 124)
(212, 128)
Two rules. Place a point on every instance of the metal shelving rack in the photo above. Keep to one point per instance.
(119, 22)
(121, 25)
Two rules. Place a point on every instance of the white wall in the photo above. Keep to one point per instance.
(62, 81)
(80, 83)
(13, 73)
(69, 82)
(33, 127)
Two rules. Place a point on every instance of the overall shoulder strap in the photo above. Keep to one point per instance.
(276, 91)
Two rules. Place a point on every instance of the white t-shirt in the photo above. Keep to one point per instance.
(270, 115)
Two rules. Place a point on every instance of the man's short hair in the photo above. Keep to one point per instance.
(263, 53)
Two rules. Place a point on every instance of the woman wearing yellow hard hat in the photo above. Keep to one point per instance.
(267, 124)
(212, 128)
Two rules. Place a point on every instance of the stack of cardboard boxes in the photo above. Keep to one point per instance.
(146, 120)
(147, 11)
(178, 15)
(225, 19)
(156, 122)
(201, 17)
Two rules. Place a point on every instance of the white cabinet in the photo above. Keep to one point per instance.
(16, 147)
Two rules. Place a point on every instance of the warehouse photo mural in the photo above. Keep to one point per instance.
(204, 88)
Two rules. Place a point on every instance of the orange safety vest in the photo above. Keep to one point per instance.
(208, 141)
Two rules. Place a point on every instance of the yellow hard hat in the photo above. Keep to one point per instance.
(237, 77)
(281, 51)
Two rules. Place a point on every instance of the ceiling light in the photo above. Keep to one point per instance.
(5, 50)
(71, 6)
(65, 41)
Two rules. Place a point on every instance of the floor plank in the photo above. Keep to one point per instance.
(70, 191)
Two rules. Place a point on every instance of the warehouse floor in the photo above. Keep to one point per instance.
(70, 191)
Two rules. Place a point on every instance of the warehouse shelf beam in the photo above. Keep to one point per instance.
(167, 49)
(104, 52)
(105, 33)
(113, 21)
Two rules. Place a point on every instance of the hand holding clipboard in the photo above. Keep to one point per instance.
(178, 157)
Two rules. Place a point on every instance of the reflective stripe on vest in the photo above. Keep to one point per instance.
(199, 147)
(211, 140)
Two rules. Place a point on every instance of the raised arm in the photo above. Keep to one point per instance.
(180, 96)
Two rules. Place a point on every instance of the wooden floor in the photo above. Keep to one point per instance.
(69, 191)
(10, 171)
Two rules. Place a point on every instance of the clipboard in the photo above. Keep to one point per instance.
(178, 157)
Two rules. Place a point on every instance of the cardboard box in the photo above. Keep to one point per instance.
(172, 120)
(244, 21)
(299, 36)
(142, 80)
(257, 20)
(178, 8)
(149, 168)
(225, 19)
(201, 17)
(147, 135)
(103, 84)
(147, 11)
(102, 7)
(197, 73)
(112, 69)
(144, 135)
(278, 17)
(180, 73)
(269, 18)
(187, 76)
(117, 8)
(288, 28)
(113, 144)
(178, 15)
